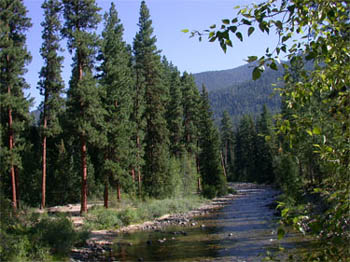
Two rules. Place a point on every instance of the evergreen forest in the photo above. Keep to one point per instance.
(131, 127)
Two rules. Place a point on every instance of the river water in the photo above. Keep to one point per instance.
(244, 230)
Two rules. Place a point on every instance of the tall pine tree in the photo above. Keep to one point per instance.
(51, 84)
(83, 105)
(174, 113)
(227, 145)
(14, 106)
(148, 77)
(213, 179)
(117, 82)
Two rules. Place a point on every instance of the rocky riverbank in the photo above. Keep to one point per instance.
(98, 246)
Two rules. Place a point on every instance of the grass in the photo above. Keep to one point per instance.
(126, 213)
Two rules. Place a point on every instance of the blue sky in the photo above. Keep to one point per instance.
(169, 18)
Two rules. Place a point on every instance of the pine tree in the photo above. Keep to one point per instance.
(264, 143)
(148, 80)
(83, 105)
(227, 145)
(117, 81)
(245, 150)
(190, 103)
(51, 84)
(14, 106)
(174, 113)
(213, 179)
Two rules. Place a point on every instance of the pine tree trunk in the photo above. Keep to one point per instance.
(17, 186)
(138, 168)
(43, 185)
(199, 188)
(118, 192)
(105, 198)
(84, 176)
(223, 164)
(12, 168)
(133, 174)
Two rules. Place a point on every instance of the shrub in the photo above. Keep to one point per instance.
(128, 216)
(102, 218)
(209, 191)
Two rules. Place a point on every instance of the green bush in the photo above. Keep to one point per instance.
(230, 190)
(30, 236)
(102, 218)
(209, 191)
(128, 216)
(56, 233)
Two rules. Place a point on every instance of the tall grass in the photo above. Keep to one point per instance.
(137, 212)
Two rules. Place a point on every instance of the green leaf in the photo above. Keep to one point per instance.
(273, 66)
(185, 30)
(212, 39)
(226, 21)
(316, 131)
(279, 24)
(309, 132)
(250, 30)
(233, 29)
(239, 36)
(212, 26)
(280, 233)
(228, 42)
(256, 73)
(284, 212)
(252, 59)
(223, 46)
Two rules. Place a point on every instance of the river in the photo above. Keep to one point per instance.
(242, 231)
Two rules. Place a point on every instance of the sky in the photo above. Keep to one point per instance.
(169, 17)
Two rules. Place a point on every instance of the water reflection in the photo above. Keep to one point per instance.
(241, 231)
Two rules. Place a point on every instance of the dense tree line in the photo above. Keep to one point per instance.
(131, 121)
(248, 148)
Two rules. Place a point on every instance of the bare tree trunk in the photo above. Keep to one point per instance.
(43, 185)
(17, 186)
(84, 176)
(118, 192)
(12, 168)
(133, 174)
(223, 165)
(138, 168)
(199, 187)
(105, 195)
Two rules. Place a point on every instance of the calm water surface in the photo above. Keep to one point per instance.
(244, 230)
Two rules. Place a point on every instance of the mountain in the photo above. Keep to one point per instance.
(234, 90)
(214, 80)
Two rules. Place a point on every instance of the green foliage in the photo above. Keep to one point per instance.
(184, 176)
(174, 114)
(137, 211)
(211, 170)
(148, 68)
(30, 236)
(313, 128)
(101, 218)
(14, 106)
(191, 113)
(227, 145)
(116, 79)
(51, 83)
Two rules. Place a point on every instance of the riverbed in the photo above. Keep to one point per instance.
(243, 230)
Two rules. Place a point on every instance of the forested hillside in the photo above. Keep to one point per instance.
(234, 91)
